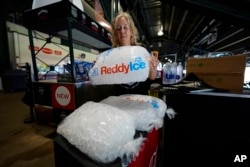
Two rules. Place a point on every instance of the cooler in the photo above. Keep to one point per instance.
(67, 155)
(148, 155)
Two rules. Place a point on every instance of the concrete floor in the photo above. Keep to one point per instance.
(22, 145)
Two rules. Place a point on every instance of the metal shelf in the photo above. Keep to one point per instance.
(66, 21)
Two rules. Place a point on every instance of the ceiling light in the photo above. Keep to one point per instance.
(160, 33)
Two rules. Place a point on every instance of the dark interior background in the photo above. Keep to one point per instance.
(190, 27)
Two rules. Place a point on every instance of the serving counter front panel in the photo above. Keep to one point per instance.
(66, 97)
(209, 129)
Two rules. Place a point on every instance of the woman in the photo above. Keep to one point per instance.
(125, 34)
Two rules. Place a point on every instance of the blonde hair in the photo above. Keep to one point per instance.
(133, 29)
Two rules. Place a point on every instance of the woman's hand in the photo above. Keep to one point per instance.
(153, 63)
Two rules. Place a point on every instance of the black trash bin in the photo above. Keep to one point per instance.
(68, 155)
(14, 80)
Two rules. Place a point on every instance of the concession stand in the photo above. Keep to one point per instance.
(67, 92)
(62, 96)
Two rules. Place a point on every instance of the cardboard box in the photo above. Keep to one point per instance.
(220, 72)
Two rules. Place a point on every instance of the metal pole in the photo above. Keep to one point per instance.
(33, 55)
(71, 50)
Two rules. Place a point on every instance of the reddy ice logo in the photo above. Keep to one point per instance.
(62, 96)
(137, 64)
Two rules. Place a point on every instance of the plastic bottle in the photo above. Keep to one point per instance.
(179, 73)
(166, 73)
(173, 73)
(159, 70)
(51, 75)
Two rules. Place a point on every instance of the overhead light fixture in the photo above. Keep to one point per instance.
(160, 33)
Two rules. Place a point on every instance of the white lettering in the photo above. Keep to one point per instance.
(62, 95)
(240, 158)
